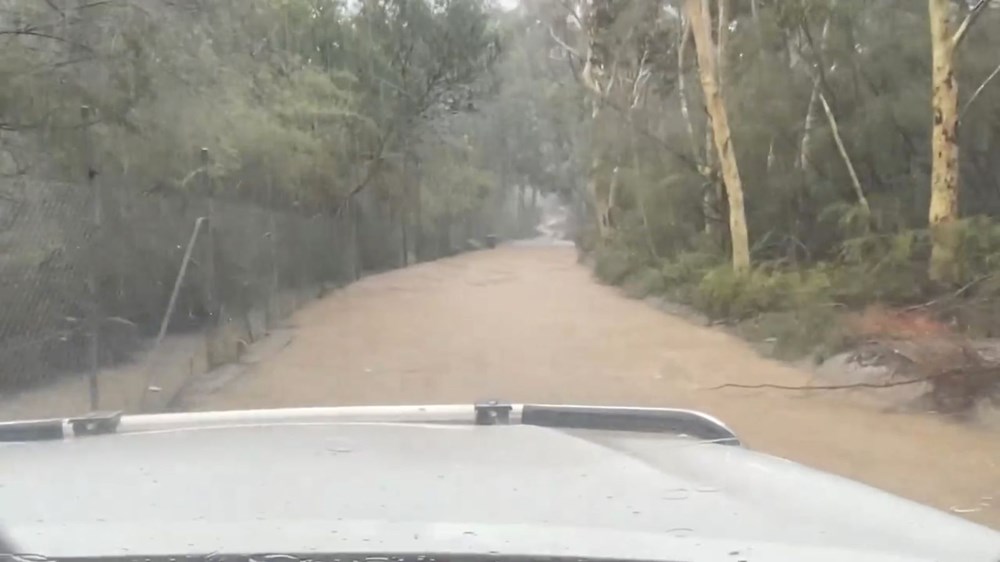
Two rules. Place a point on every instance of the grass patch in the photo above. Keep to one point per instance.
(818, 332)
(802, 309)
(612, 266)
(645, 282)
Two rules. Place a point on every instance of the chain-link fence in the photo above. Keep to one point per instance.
(94, 273)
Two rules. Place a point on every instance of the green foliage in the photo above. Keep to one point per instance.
(645, 282)
(451, 183)
(887, 268)
(612, 265)
(818, 331)
(300, 105)
(874, 64)
(723, 293)
(979, 248)
(683, 273)
(689, 267)
(814, 245)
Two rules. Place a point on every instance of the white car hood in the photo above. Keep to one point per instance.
(341, 486)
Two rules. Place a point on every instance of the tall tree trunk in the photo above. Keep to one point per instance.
(944, 147)
(640, 196)
(705, 168)
(518, 210)
(598, 189)
(418, 220)
(835, 130)
(721, 33)
(602, 209)
(685, 34)
(598, 77)
(404, 227)
(614, 184)
(710, 194)
(807, 129)
(714, 190)
(813, 99)
(699, 14)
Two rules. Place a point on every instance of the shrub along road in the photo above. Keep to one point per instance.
(529, 324)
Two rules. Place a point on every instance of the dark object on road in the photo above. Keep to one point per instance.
(491, 241)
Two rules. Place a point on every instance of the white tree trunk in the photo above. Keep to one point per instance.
(685, 34)
(705, 166)
(855, 182)
(597, 78)
(699, 14)
(943, 211)
(813, 98)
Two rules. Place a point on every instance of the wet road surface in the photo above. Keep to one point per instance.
(528, 324)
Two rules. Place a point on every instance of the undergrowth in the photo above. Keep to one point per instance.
(800, 308)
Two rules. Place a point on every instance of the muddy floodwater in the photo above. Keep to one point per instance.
(527, 323)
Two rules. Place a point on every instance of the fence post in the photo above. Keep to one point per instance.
(404, 203)
(354, 218)
(272, 234)
(168, 314)
(211, 293)
(418, 217)
(94, 314)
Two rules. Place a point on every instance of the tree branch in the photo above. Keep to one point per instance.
(573, 13)
(370, 170)
(570, 50)
(850, 386)
(644, 131)
(862, 200)
(970, 19)
(641, 76)
(33, 32)
(682, 41)
(823, 387)
(978, 91)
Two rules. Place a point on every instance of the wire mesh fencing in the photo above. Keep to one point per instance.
(94, 273)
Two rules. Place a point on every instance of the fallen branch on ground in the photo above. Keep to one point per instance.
(825, 387)
(982, 372)
(954, 295)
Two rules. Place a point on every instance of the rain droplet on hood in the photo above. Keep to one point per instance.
(677, 494)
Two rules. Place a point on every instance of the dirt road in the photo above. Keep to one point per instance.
(529, 324)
